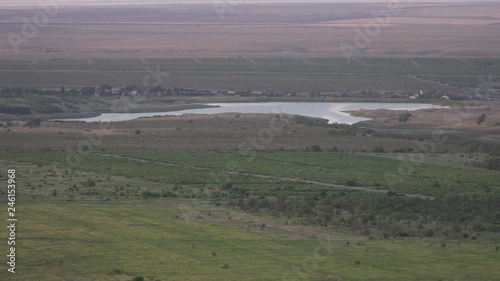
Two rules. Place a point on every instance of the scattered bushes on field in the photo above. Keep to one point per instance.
(491, 164)
(314, 148)
(404, 117)
(351, 183)
(308, 121)
(481, 119)
(478, 146)
(146, 194)
(89, 182)
(33, 123)
(16, 110)
(387, 216)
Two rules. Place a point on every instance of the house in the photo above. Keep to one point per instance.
(304, 95)
(195, 92)
(116, 90)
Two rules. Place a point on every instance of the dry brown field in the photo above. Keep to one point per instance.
(257, 30)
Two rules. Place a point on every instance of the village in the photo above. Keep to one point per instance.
(160, 91)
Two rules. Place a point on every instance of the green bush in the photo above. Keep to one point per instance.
(33, 123)
(404, 117)
(481, 119)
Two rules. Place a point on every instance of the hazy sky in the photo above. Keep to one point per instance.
(106, 2)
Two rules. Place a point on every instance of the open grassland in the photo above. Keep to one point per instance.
(278, 74)
(121, 241)
(278, 173)
(225, 132)
(181, 198)
(248, 196)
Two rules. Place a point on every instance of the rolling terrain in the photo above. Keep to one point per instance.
(402, 196)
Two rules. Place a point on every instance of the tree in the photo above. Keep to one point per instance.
(88, 91)
(481, 119)
(105, 89)
(89, 183)
(315, 148)
(404, 117)
(33, 123)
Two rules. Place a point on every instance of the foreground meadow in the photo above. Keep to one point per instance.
(210, 198)
(123, 241)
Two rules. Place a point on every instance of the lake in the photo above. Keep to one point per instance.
(333, 112)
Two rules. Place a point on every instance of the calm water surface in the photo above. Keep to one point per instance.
(334, 112)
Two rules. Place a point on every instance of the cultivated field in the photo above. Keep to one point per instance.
(263, 74)
(403, 196)
(162, 198)
(256, 30)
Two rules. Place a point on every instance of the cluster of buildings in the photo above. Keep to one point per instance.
(106, 90)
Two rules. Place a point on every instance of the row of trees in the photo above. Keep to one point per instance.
(14, 110)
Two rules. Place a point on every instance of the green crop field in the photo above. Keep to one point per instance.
(279, 74)
(209, 198)
(221, 197)
(181, 194)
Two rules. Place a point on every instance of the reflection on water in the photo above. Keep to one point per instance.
(333, 112)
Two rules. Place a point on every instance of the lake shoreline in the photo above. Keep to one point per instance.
(333, 112)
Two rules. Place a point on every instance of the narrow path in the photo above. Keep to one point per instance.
(305, 61)
(431, 81)
(116, 80)
(256, 68)
(414, 62)
(480, 71)
(184, 81)
(261, 176)
(197, 60)
(40, 73)
(258, 84)
(45, 76)
(252, 61)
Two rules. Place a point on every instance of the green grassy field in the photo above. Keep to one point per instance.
(204, 174)
(177, 198)
(279, 74)
(121, 241)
